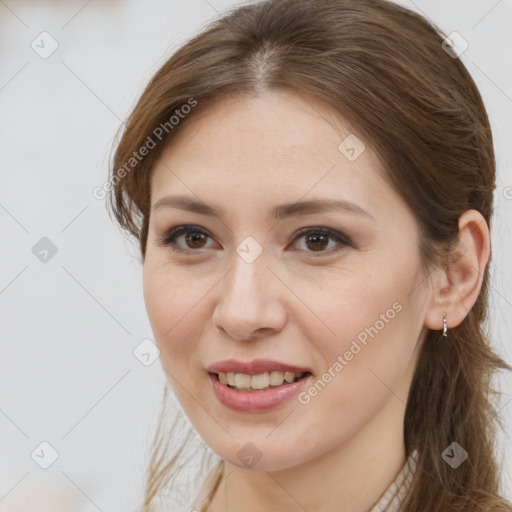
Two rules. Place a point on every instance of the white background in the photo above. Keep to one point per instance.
(68, 375)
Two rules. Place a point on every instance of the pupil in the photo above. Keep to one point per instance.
(317, 237)
(194, 238)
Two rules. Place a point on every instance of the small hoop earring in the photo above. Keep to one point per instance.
(445, 328)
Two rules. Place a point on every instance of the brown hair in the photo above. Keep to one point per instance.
(383, 69)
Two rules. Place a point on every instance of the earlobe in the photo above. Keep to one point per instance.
(459, 282)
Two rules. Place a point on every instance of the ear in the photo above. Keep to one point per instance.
(458, 284)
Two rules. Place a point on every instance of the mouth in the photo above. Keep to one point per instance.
(260, 382)
(255, 386)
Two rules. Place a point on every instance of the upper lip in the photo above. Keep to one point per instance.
(254, 367)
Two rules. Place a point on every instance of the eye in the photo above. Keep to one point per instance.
(316, 239)
(194, 236)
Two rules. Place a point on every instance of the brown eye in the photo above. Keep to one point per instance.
(317, 240)
(194, 238)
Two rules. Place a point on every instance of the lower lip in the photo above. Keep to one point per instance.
(257, 401)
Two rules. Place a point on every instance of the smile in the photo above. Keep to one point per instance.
(258, 383)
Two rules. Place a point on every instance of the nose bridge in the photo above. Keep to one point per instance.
(243, 285)
(248, 302)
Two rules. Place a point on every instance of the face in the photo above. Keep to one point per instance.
(335, 293)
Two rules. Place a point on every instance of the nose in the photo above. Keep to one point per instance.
(250, 304)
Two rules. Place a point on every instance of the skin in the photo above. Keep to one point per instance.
(298, 302)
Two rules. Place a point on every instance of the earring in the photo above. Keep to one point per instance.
(445, 328)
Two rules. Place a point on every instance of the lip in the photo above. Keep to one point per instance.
(254, 367)
(257, 401)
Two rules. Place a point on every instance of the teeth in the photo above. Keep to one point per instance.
(242, 380)
(262, 381)
(289, 376)
(276, 378)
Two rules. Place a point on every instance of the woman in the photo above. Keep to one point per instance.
(311, 184)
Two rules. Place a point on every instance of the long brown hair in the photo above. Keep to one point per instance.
(383, 68)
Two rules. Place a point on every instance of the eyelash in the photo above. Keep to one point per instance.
(168, 239)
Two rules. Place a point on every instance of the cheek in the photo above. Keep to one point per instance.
(364, 370)
(170, 306)
(156, 298)
(173, 314)
(368, 329)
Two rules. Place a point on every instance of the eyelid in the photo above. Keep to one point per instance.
(167, 239)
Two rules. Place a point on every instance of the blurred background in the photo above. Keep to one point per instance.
(80, 382)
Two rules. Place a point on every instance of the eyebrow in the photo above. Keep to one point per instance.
(278, 212)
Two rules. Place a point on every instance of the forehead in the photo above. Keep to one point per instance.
(273, 148)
